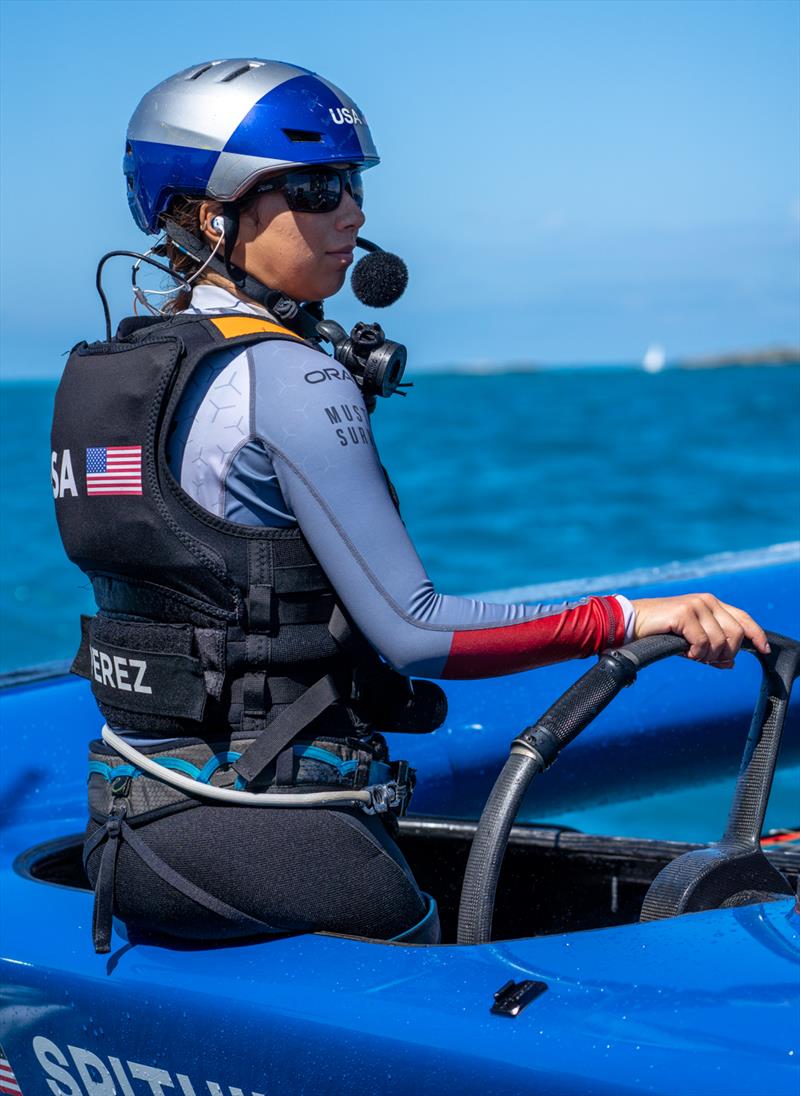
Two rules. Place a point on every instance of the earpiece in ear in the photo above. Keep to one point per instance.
(218, 224)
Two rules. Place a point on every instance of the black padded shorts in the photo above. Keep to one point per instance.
(335, 870)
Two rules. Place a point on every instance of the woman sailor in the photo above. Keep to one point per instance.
(261, 606)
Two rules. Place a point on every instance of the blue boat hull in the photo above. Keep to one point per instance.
(701, 1004)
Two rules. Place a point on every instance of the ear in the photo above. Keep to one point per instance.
(206, 214)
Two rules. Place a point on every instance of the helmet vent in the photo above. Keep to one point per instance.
(300, 136)
(200, 71)
(238, 72)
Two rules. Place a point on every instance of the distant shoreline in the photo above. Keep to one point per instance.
(773, 356)
(746, 359)
(778, 355)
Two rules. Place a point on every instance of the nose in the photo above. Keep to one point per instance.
(349, 215)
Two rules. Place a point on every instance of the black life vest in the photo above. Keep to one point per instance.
(203, 624)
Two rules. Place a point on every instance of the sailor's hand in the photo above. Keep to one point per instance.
(714, 630)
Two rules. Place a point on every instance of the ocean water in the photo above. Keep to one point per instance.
(505, 479)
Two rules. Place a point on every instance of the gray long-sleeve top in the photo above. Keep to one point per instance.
(278, 434)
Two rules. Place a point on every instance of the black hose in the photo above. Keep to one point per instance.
(489, 846)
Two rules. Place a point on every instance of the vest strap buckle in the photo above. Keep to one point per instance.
(395, 795)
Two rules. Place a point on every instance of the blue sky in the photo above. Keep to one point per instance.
(567, 181)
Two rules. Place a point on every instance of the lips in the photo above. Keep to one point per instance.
(343, 256)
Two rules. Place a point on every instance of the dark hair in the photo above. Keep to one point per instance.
(185, 212)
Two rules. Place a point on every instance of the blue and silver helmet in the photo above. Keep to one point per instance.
(214, 129)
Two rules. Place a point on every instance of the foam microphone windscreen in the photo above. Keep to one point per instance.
(379, 279)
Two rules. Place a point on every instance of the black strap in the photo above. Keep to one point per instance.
(266, 611)
(284, 690)
(91, 843)
(230, 211)
(81, 664)
(284, 767)
(257, 637)
(302, 579)
(254, 691)
(104, 888)
(288, 725)
(340, 630)
(261, 606)
(348, 639)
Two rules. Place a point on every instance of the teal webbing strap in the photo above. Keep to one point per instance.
(316, 753)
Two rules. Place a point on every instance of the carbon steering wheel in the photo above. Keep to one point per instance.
(729, 872)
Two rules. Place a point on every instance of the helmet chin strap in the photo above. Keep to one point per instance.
(301, 318)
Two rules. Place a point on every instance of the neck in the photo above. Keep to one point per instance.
(211, 278)
(283, 308)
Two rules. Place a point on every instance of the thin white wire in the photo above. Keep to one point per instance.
(140, 294)
(229, 795)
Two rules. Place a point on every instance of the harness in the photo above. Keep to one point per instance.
(226, 638)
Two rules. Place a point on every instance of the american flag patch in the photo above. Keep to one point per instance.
(8, 1082)
(114, 470)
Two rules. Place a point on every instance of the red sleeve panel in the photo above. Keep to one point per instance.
(576, 633)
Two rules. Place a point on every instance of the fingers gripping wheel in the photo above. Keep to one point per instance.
(707, 878)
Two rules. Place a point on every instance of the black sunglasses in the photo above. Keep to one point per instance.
(315, 190)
